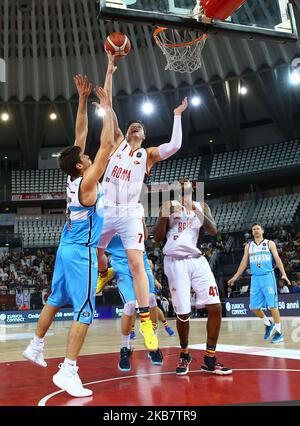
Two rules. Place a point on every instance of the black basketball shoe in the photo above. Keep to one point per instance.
(212, 366)
(183, 364)
(124, 362)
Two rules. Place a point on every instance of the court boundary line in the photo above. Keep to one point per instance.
(43, 401)
(223, 348)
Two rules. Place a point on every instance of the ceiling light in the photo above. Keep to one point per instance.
(4, 116)
(295, 77)
(148, 108)
(243, 90)
(196, 101)
(53, 116)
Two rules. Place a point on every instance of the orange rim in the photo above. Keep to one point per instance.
(188, 43)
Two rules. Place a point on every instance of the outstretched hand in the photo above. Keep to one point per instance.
(111, 68)
(182, 107)
(83, 86)
(103, 97)
(231, 282)
(285, 278)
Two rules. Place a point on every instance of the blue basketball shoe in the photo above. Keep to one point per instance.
(169, 331)
(269, 330)
(132, 335)
(277, 338)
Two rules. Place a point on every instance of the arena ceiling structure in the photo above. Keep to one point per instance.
(45, 43)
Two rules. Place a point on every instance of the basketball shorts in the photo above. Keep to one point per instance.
(127, 221)
(125, 280)
(184, 274)
(75, 280)
(263, 291)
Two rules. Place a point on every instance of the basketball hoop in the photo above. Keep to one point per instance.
(182, 48)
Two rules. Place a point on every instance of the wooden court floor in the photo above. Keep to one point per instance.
(262, 372)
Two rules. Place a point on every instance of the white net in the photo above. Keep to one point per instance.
(182, 48)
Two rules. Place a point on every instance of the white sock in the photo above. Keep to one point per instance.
(266, 321)
(125, 341)
(38, 341)
(69, 363)
(278, 327)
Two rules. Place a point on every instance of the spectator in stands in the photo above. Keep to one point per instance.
(282, 287)
(1, 273)
(295, 288)
(3, 288)
(229, 292)
(27, 270)
(165, 305)
(247, 237)
(193, 303)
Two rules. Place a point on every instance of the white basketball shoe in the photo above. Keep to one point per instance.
(68, 380)
(35, 354)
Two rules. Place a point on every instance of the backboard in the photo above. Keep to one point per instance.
(254, 19)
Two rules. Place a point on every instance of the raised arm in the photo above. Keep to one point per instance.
(209, 224)
(96, 170)
(273, 250)
(111, 68)
(161, 227)
(242, 267)
(81, 128)
(166, 150)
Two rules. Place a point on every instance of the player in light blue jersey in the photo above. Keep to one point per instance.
(76, 269)
(160, 313)
(119, 263)
(261, 254)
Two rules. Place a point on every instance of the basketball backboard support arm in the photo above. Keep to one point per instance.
(118, 10)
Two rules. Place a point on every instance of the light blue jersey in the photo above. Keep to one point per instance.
(117, 252)
(119, 262)
(84, 224)
(263, 289)
(260, 258)
(76, 268)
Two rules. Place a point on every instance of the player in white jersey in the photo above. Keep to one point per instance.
(263, 290)
(185, 266)
(75, 272)
(122, 184)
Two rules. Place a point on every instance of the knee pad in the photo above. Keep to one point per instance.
(184, 320)
(152, 300)
(129, 308)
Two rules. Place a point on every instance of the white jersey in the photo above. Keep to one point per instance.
(19, 298)
(183, 233)
(26, 298)
(124, 175)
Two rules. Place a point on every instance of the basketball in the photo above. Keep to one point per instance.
(118, 44)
